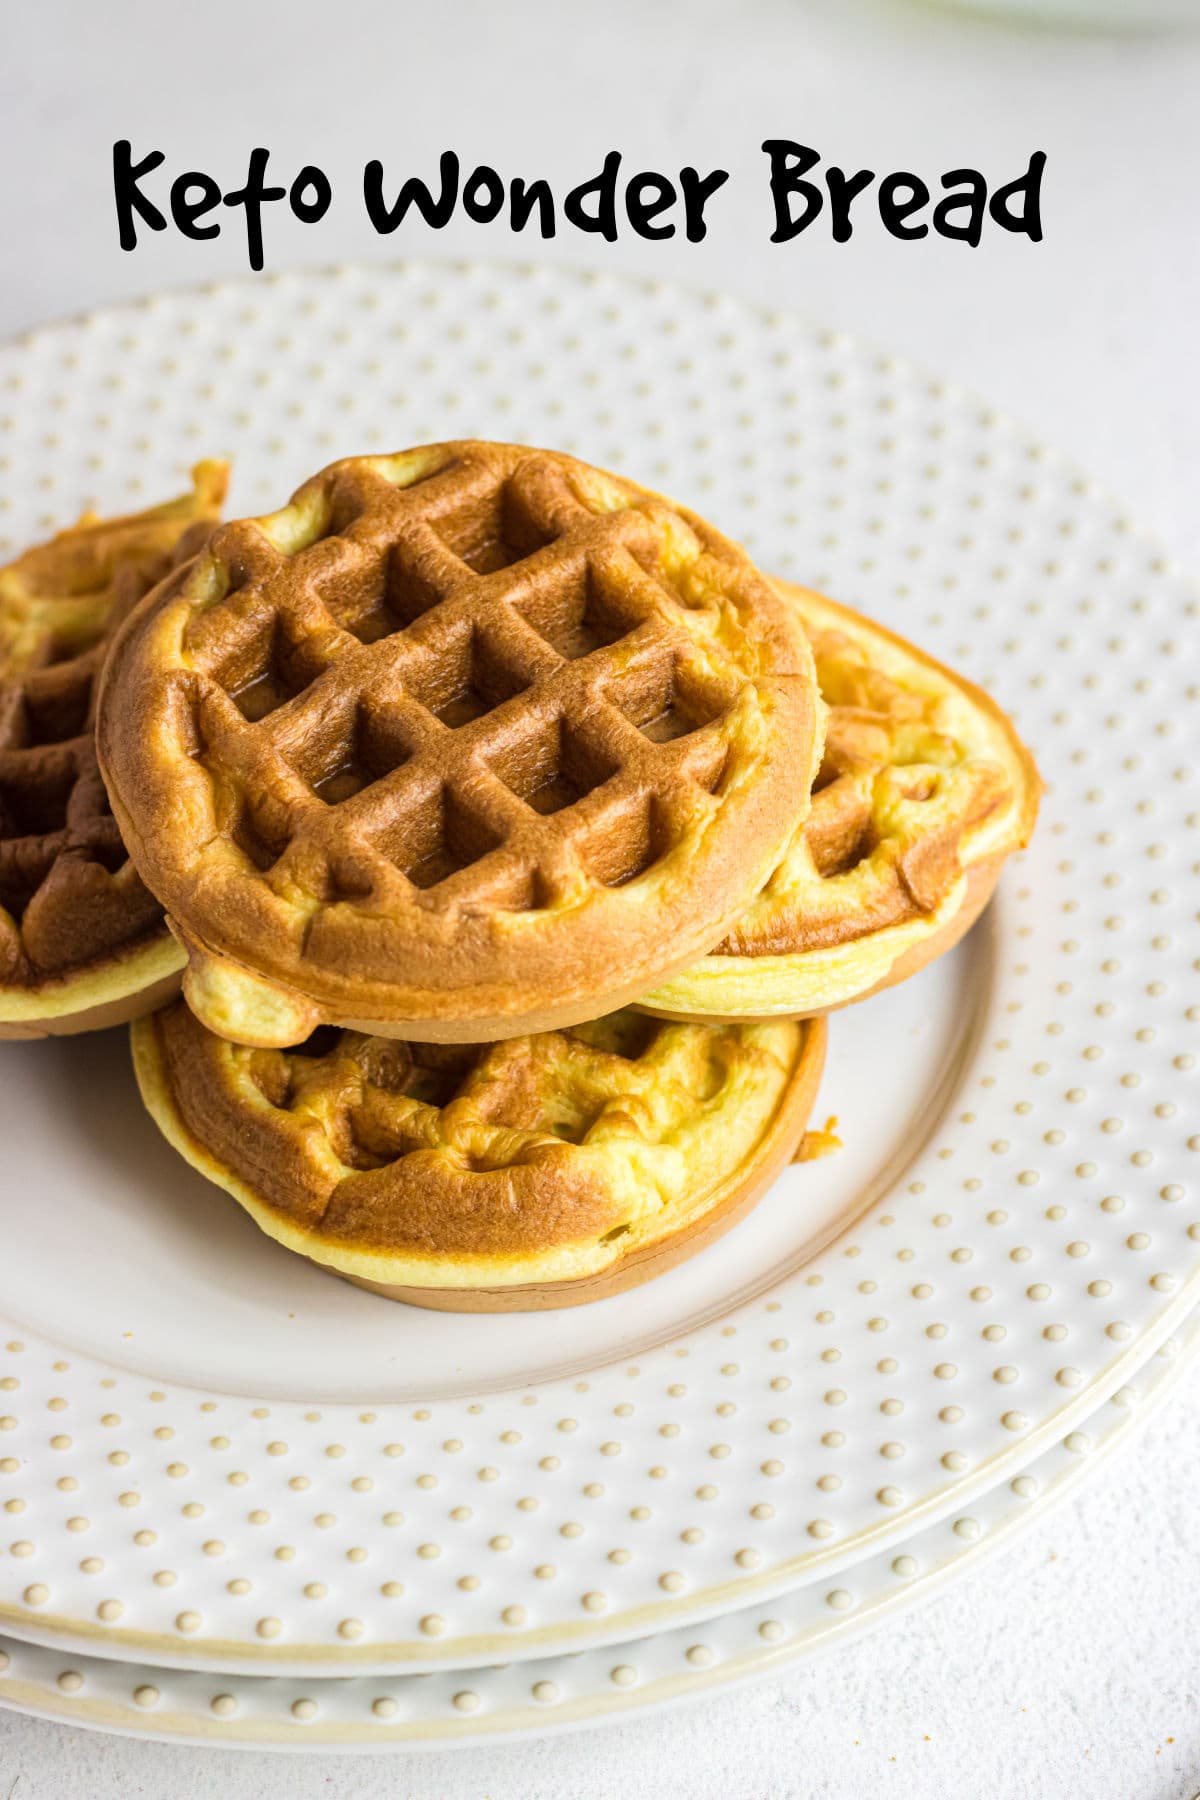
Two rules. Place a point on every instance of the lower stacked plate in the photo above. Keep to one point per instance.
(371, 1713)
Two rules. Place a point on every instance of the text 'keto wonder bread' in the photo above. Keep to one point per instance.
(924, 789)
(463, 742)
(82, 942)
(541, 1171)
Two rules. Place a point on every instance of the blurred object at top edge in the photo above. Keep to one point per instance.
(1108, 15)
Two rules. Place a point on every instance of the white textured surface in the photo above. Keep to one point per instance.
(1060, 1668)
(1087, 335)
(451, 1707)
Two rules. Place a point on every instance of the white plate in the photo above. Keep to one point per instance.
(535, 1699)
(214, 1455)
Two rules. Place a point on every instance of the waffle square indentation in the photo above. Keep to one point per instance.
(553, 766)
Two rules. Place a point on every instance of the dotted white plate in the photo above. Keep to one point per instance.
(452, 1706)
(217, 1456)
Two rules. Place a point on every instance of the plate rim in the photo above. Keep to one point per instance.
(659, 1694)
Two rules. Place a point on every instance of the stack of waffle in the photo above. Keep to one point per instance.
(513, 835)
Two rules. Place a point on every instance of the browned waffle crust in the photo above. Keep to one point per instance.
(924, 789)
(69, 896)
(897, 797)
(540, 1170)
(471, 740)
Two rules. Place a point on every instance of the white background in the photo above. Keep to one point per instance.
(1064, 1668)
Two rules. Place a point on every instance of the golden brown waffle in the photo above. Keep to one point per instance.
(59, 599)
(466, 741)
(82, 942)
(923, 790)
(537, 1172)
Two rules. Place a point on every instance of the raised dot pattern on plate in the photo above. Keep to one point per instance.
(549, 1695)
(976, 1312)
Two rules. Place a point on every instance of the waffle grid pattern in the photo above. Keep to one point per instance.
(68, 893)
(492, 1106)
(378, 1100)
(59, 844)
(422, 604)
(909, 772)
(499, 1150)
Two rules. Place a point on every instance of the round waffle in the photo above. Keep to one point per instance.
(538, 1172)
(924, 789)
(465, 741)
(82, 942)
